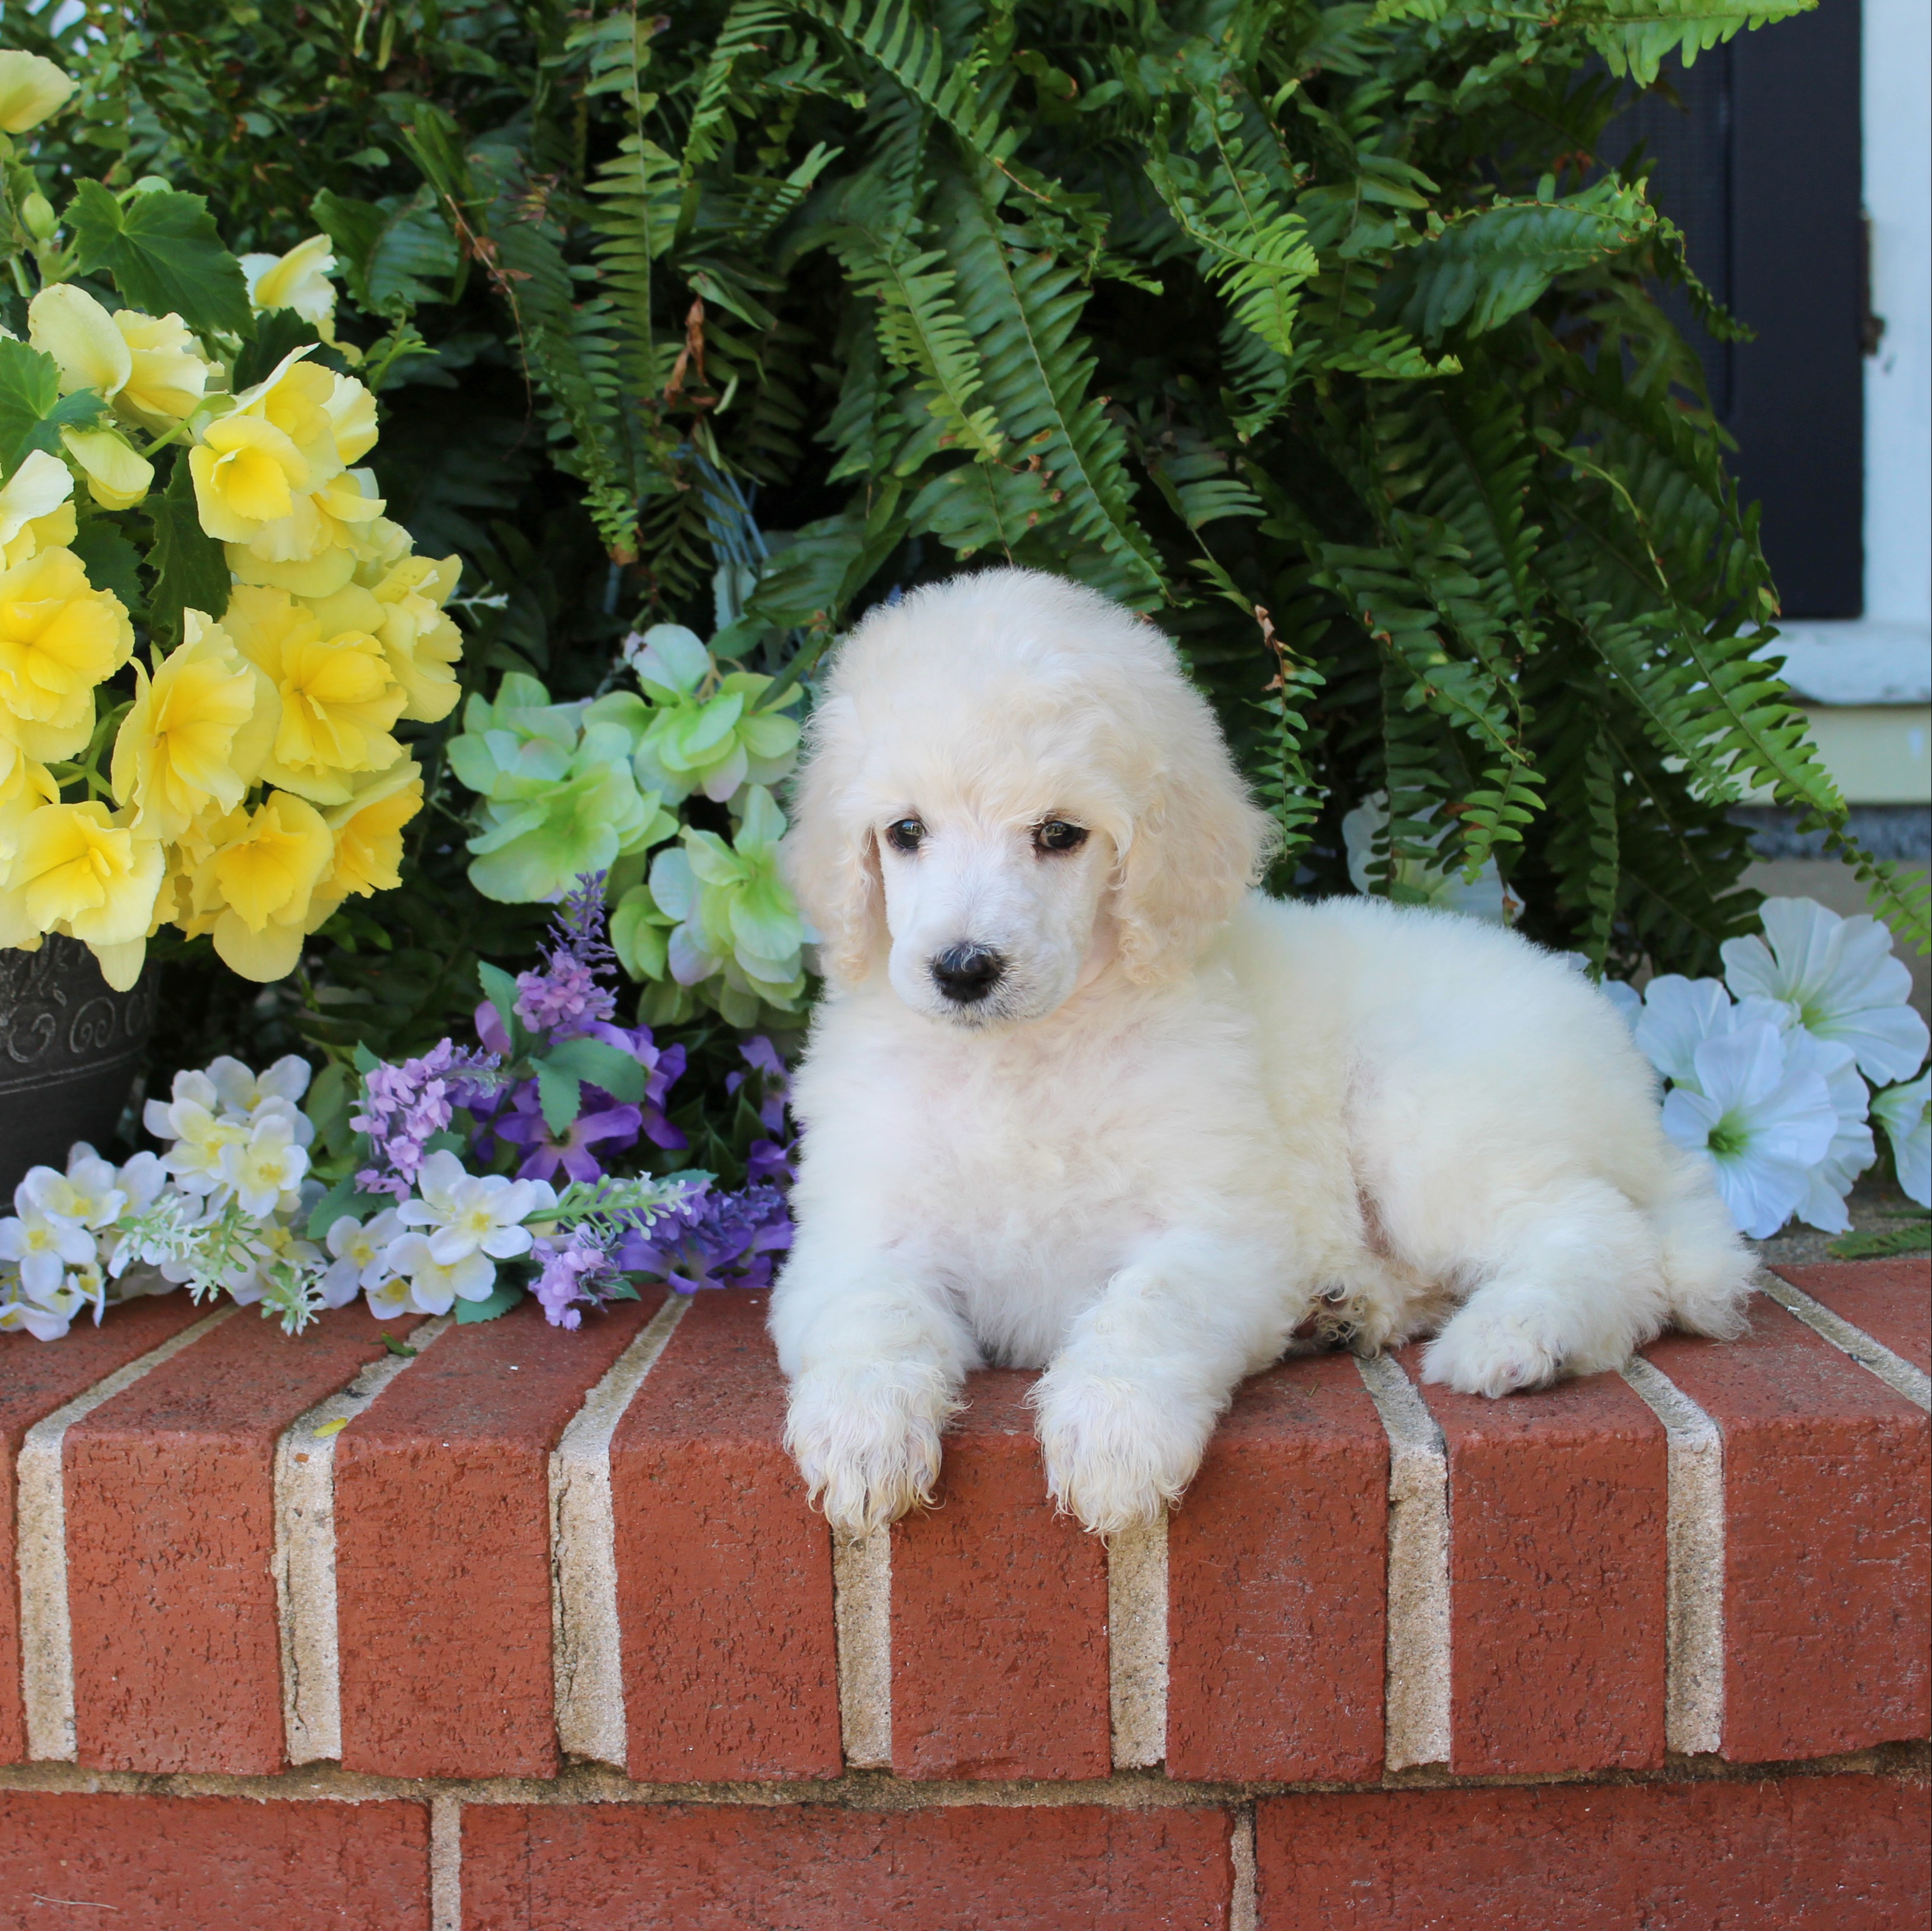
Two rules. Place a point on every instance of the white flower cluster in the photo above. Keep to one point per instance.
(59, 1248)
(1768, 1066)
(437, 1249)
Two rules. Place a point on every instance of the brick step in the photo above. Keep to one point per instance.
(527, 1547)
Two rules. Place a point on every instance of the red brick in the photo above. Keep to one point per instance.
(999, 1633)
(442, 1547)
(169, 1864)
(170, 1546)
(1277, 1577)
(1794, 1854)
(1827, 1619)
(1558, 1559)
(613, 1867)
(36, 1378)
(1891, 1300)
(724, 1572)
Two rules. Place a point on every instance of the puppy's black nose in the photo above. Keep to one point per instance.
(967, 973)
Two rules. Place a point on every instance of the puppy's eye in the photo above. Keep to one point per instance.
(1058, 835)
(907, 836)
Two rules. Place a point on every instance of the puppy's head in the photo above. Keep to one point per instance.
(1010, 786)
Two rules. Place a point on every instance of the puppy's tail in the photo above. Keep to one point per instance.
(1707, 1268)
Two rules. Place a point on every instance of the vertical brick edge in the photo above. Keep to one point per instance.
(861, 1596)
(304, 1559)
(1417, 1721)
(587, 1658)
(1137, 1646)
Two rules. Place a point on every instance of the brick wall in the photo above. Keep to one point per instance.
(535, 1629)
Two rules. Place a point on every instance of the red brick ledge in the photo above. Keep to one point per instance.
(526, 1550)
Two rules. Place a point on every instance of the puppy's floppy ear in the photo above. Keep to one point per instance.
(1193, 852)
(829, 858)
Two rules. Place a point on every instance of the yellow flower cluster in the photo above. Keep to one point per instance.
(255, 781)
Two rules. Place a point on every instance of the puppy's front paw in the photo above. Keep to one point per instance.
(866, 1440)
(1118, 1456)
(1490, 1352)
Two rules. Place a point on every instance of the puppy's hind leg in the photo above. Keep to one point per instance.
(1570, 1284)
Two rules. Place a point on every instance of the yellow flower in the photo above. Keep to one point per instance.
(31, 88)
(368, 833)
(118, 477)
(246, 473)
(296, 398)
(37, 493)
(420, 643)
(254, 892)
(67, 323)
(298, 280)
(198, 735)
(168, 374)
(338, 700)
(59, 638)
(352, 415)
(79, 869)
(313, 550)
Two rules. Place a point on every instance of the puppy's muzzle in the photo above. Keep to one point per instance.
(965, 974)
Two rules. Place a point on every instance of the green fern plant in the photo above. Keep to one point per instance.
(1312, 330)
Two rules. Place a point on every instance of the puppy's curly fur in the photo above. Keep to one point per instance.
(1078, 1098)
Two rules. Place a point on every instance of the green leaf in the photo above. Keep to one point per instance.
(33, 412)
(598, 1064)
(1914, 1237)
(500, 989)
(401, 1348)
(164, 254)
(559, 1095)
(112, 562)
(345, 1197)
(190, 568)
(503, 1297)
(395, 254)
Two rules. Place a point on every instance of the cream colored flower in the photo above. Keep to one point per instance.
(118, 477)
(31, 88)
(38, 489)
(59, 638)
(298, 280)
(67, 323)
(198, 734)
(168, 374)
(247, 474)
(255, 889)
(338, 699)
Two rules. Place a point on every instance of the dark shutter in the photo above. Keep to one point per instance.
(1762, 174)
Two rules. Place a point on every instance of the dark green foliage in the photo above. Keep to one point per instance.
(1314, 330)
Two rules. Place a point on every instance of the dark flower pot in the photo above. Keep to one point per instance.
(69, 1045)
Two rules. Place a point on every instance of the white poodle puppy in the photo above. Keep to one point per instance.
(1078, 1098)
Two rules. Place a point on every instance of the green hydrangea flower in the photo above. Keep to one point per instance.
(695, 730)
(718, 918)
(559, 795)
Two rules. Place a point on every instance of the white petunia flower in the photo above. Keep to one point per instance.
(1762, 1123)
(436, 1286)
(1852, 1149)
(360, 1252)
(85, 1196)
(1678, 1014)
(1484, 896)
(1627, 1000)
(1902, 1110)
(472, 1214)
(265, 1165)
(1837, 979)
(43, 1249)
